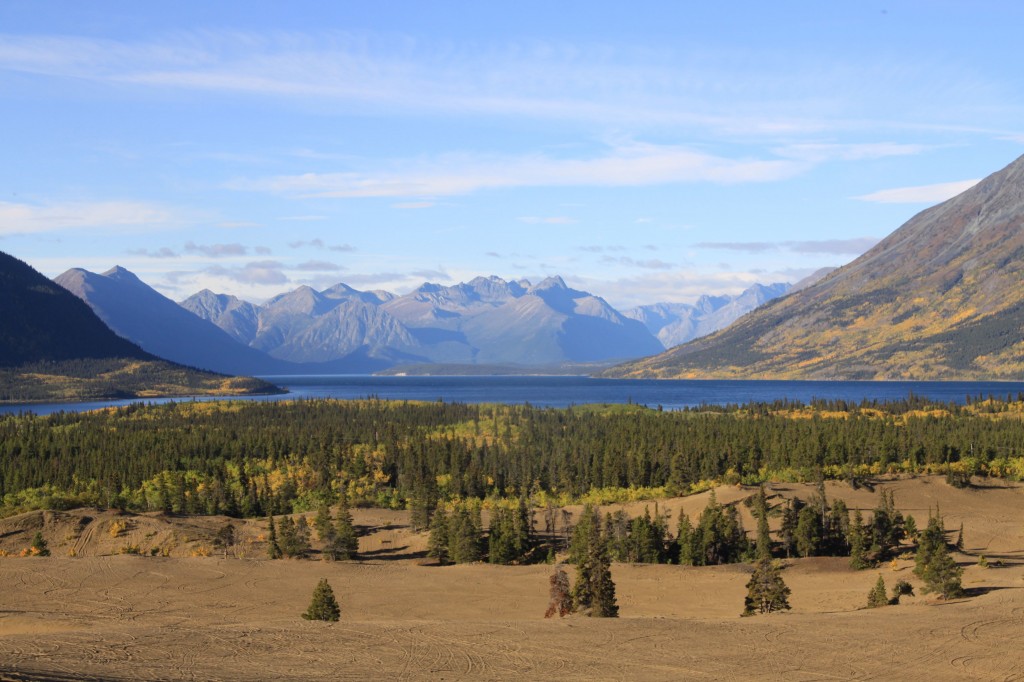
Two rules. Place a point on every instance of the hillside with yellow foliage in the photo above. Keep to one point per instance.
(940, 298)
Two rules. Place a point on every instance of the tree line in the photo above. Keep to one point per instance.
(251, 459)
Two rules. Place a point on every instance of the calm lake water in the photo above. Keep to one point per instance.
(563, 391)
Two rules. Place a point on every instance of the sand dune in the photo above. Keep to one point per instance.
(99, 615)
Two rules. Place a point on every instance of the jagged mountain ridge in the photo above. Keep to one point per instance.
(676, 323)
(486, 320)
(939, 298)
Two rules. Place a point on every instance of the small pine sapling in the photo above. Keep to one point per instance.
(323, 606)
(877, 596)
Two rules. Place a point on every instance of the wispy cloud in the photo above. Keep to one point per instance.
(216, 250)
(259, 272)
(855, 246)
(407, 205)
(304, 218)
(624, 165)
(322, 245)
(650, 264)
(923, 194)
(162, 252)
(17, 218)
(319, 266)
(732, 89)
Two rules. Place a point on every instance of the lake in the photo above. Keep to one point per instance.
(562, 391)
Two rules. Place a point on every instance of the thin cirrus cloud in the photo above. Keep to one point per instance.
(319, 266)
(922, 194)
(855, 246)
(322, 245)
(732, 89)
(20, 218)
(216, 250)
(649, 264)
(258, 272)
(162, 252)
(632, 164)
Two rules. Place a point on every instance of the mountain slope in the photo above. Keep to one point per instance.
(676, 323)
(940, 298)
(42, 321)
(54, 347)
(138, 312)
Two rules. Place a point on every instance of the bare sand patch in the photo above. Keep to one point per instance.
(101, 615)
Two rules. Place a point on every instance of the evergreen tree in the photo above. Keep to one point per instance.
(877, 595)
(910, 528)
(273, 546)
(560, 602)
(902, 587)
(323, 523)
(787, 533)
(857, 539)
(808, 532)
(685, 541)
(463, 536)
(934, 565)
(344, 541)
(766, 590)
(760, 511)
(594, 591)
(324, 606)
(960, 539)
(39, 546)
(437, 544)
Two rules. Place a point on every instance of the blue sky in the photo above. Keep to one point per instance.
(644, 151)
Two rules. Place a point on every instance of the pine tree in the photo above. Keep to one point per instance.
(857, 539)
(960, 538)
(344, 542)
(463, 537)
(323, 523)
(877, 596)
(437, 544)
(39, 546)
(684, 539)
(787, 533)
(808, 532)
(594, 591)
(934, 565)
(760, 510)
(766, 590)
(273, 547)
(561, 596)
(323, 606)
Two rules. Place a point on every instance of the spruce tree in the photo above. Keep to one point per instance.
(463, 537)
(960, 538)
(857, 539)
(684, 540)
(560, 603)
(808, 532)
(323, 523)
(344, 543)
(787, 533)
(934, 564)
(760, 510)
(877, 595)
(437, 544)
(39, 546)
(766, 590)
(273, 547)
(594, 591)
(324, 606)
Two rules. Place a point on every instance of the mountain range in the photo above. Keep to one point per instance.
(484, 322)
(54, 347)
(939, 298)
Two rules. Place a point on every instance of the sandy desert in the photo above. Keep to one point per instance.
(91, 612)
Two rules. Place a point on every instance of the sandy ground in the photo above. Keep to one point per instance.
(101, 615)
